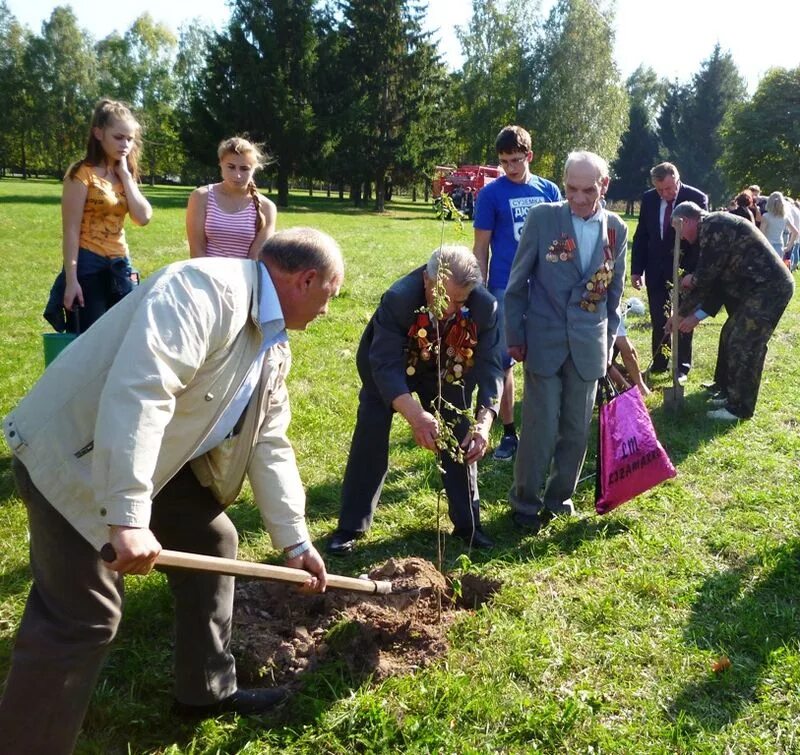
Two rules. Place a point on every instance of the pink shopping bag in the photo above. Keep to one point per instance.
(630, 460)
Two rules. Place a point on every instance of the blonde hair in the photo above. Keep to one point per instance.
(238, 145)
(775, 204)
(106, 111)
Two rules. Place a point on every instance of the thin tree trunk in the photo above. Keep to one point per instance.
(379, 193)
(283, 187)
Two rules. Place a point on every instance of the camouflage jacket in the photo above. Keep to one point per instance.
(736, 263)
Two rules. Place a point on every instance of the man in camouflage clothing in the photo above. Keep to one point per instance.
(736, 265)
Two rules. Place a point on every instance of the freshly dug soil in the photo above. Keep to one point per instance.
(279, 632)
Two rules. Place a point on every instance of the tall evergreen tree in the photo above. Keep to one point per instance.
(715, 88)
(668, 120)
(579, 101)
(761, 138)
(391, 73)
(259, 81)
(638, 150)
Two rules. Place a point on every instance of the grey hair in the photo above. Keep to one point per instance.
(776, 205)
(460, 264)
(582, 156)
(303, 249)
(662, 170)
(688, 211)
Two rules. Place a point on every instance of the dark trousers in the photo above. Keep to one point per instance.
(103, 281)
(658, 299)
(368, 462)
(74, 609)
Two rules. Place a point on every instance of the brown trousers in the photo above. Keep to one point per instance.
(74, 609)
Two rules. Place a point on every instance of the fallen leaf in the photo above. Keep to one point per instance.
(723, 663)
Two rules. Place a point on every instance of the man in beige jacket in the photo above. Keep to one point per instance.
(139, 434)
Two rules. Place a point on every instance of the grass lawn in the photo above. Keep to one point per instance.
(604, 635)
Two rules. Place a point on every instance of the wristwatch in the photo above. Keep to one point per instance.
(298, 550)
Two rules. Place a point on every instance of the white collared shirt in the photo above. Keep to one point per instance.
(587, 233)
(273, 329)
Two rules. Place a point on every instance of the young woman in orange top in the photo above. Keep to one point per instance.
(98, 192)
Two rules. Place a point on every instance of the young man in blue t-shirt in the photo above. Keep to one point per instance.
(500, 212)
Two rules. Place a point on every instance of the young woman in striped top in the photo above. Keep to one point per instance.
(230, 218)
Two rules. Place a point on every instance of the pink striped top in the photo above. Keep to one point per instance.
(228, 234)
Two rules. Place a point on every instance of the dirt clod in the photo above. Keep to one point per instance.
(281, 633)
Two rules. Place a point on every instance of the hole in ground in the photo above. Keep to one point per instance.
(280, 633)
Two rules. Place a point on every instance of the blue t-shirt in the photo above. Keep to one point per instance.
(501, 208)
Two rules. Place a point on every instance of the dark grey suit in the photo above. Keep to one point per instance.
(382, 360)
(568, 346)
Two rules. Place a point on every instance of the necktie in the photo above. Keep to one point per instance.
(667, 220)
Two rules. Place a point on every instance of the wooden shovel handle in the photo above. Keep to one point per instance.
(236, 568)
(674, 298)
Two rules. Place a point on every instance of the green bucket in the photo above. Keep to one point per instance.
(54, 344)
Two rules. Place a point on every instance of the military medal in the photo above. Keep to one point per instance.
(561, 249)
(597, 287)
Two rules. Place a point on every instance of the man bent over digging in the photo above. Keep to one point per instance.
(436, 326)
(187, 395)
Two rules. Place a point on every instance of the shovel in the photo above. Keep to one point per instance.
(673, 397)
(236, 568)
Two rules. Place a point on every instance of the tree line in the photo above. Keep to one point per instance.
(355, 94)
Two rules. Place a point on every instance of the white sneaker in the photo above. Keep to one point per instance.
(722, 414)
(717, 402)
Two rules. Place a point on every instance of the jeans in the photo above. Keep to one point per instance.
(103, 280)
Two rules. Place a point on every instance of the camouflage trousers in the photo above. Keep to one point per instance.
(744, 345)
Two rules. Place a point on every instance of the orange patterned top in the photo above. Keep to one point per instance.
(102, 230)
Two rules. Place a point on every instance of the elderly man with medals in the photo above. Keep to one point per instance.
(562, 315)
(434, 333)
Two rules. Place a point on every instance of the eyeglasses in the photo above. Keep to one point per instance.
(506, 161)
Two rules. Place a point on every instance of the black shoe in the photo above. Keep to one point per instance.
(476, 538)
(245, 702)
(710, 386)
(658, 366)
(342, 542)
(530, 522)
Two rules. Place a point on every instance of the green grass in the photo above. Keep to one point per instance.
(603, 637)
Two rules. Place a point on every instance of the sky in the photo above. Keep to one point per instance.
(673, 38)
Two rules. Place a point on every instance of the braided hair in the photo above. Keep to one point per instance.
(238, 145)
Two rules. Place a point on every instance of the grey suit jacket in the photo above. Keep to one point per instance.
(544, 296)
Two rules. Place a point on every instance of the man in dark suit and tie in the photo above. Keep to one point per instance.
(415, 343)
(653, 244)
